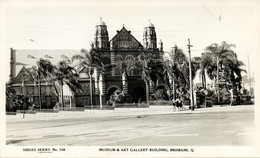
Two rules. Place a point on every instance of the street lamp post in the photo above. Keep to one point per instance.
(190, 77)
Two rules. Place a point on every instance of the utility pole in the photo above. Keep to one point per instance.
(191, 82)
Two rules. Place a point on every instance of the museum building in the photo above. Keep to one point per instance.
(122, 51)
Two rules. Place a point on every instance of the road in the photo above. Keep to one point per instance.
(227, 127)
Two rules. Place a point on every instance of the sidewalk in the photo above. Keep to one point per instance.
(121, 112)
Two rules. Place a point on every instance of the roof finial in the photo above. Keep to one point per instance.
(123, 25)
(100, 18)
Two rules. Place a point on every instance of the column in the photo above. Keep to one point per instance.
(161, 50)
(161, 45)
(102, 84)
(112, 57)
(125, 83)
(101, 90)
(96, 76)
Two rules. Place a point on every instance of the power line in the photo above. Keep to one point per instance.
(217, 18)
(210, 12)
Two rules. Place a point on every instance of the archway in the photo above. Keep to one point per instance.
(138, 94)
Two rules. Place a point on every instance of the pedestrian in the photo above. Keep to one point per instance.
(33, 106)
(174, 104)
(178, 103)
(181, 104)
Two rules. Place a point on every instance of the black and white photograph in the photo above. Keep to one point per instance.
(96, 78)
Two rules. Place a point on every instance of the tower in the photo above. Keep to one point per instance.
(149, 37)
(101, 36)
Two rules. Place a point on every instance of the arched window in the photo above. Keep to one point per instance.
(129, 61)
(137, 72)
(118, 62)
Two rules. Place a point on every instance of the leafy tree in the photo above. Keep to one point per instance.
(16, 101)
(160, 94)
(118, 97)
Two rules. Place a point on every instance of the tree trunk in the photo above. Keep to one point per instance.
(147, 92)
(62, 100)
(202, 78)
(40, 98)
(205, 87)
(56, 88)
(218, 95)
(173, 89)
(90, 90)
(205, 81)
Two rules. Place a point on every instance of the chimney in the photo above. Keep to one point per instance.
(12, 64)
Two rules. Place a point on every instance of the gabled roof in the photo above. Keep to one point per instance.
(124, 39)
(23, 70)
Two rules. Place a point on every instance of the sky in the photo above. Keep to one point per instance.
(38, 24)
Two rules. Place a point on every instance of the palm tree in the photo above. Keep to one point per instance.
(35, 73)
(232, 72)
(43, 70)
(206, 64)
(220, 54)
(173, 70)
(176, 57)
(143, 61)
(66, 74)
(90, 60)
(60, 73)
(177, 67)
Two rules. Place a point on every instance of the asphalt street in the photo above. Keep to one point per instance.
(224, 127)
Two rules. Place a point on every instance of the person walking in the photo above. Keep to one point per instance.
(174, 102)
